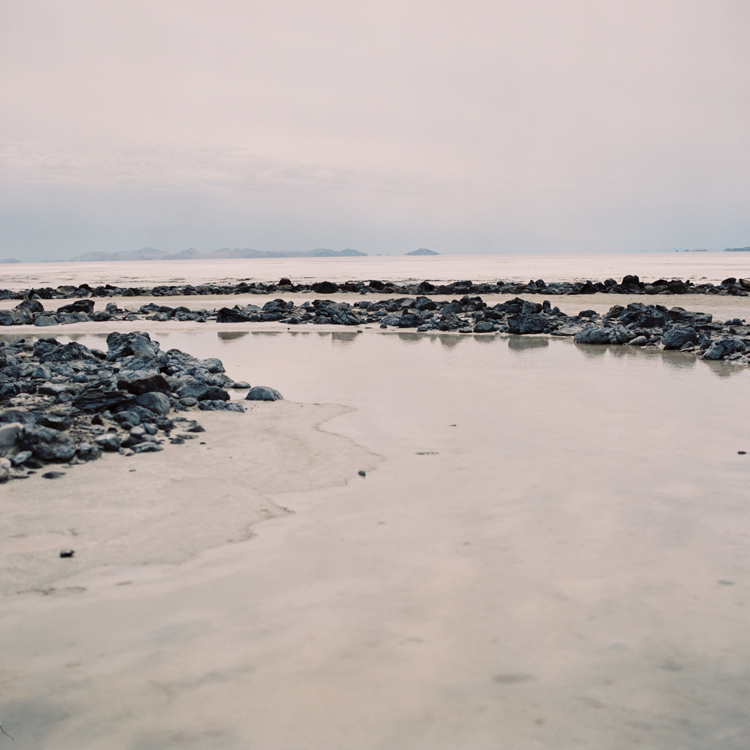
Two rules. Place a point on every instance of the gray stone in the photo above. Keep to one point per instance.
(48, 444)
(9, 435)
(484, 327)
(156, 402)
(638, 341)
(109, 441)
(723, 348)
(263, 393)
(677, 337)
(146, 383)
(4, 469)
(601, 335)
(45, 320)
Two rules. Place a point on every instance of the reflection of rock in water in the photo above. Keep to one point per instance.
(449, 340)
(411, 338)
(343, 337)
(484, 339)
(231, 335)
(518, 343)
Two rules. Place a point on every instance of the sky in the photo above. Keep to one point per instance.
(503, 126)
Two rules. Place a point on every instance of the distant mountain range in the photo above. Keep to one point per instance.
(150, 253)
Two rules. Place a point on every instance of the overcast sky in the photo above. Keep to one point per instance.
(475, 126)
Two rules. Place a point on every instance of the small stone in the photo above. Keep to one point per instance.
(4, 469)
(240, 385)
(362, 473)
(67, 552)
(741, 453)
(53, 475)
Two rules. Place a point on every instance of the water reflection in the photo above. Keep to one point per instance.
(449, 340)
(411, 338)
(592, 351)
(231, 335)
(678, 360)
(520, 343)
(343, 337)
(484, 339)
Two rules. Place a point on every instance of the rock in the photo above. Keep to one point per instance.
(121, 345)
(45, 320)
(638, 341)
(209, 405)
(53, 475)
(88, 452)
(156, 402)
(240, 385)
(30, 305)
(96, 398)
(79, 306)
(9, 436)
(227, 315)
(21, 458)
(189, 401)
(147, 383)
(724, 347)
(484, 327)
(146, 448)
(601, 335)
(263, 393)
(71, 352)
(109, 441)
(524, 324)
(48, 444)
(326, 287)
(67, 552)
(5, 467)
(677, 337)
(55, 421)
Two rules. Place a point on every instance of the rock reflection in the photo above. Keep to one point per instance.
(679, 360)
(592, 351)
(343, 337)
(449, 340)
(231, 335)
(521, 343)
(411, 338)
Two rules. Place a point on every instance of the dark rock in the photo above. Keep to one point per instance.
(71, 352)
(48, 444)
(30, 305)
(144, 384)
(677, 337)
(484, 327)
(209, 405)
(227, 315)
(109, 441)
(326, 287)
(156, 402)
(67, 552)
(122, 345)
(263, 393)
(53, 475)
(97, 398)
(524, 324)
(79, 306)
(45, 320)
(601, 335)
(55, 421)
(724, 347)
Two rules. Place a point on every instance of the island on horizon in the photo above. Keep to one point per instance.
(422, 251)
(150, 253)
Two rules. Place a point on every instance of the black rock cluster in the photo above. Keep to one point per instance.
(68, 403)
(630, 284)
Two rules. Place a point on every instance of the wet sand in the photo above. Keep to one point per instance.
(551, 548)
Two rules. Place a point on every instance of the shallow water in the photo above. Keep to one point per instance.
(555, 551)
(714, 267)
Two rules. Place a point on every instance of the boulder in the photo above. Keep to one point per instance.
(48, 444)
(263, 393)
(677, 337)
(79, 306)
(156, 402)
(4, 469)
(724, 347)
(601, 335)
(326, 287)
(146, 383)
(9, 435)
(109, 441)
(524, 324)
(121, 345)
